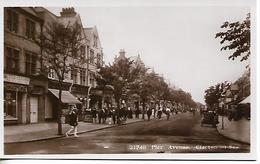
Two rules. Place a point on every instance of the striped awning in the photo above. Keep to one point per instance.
(66, 97)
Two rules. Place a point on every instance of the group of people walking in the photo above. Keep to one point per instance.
(120, 115)
(112, 115)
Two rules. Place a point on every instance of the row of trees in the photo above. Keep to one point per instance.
(235, 37)
(131, 80)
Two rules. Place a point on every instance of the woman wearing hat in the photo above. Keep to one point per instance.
(73, 121)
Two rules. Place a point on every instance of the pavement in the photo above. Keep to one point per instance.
(43, 131)
(235, 130)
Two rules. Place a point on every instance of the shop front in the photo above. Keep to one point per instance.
(15, 99)
(67, 100)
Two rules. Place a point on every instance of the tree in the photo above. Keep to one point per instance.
(214, 93)
(129, 79)
(61, 53)
(237, 35)
(121, 76)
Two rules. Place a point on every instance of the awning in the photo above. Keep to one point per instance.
(66, 97)
(245, 101)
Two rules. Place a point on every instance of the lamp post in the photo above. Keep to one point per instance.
(221, 105)
(88, 96)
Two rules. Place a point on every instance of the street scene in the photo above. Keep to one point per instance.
(158, 136)
(112, 80)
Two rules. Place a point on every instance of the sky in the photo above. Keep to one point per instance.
(178, 42)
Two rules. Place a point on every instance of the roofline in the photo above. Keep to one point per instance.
(36, 17)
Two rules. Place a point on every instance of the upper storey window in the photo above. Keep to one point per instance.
(12, 21)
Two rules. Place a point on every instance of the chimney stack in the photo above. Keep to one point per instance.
(122, 53)
(68, 12)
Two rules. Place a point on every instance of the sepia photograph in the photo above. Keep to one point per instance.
(129, 79)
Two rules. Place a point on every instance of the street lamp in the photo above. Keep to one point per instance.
(221, 105)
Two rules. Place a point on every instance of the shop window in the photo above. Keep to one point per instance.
(82, 77)
(12, 21)
(10, 105)
(30, 29)
(12, 60)
(31, 60)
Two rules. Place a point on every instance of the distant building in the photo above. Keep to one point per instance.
(238, 90)
(95, 56)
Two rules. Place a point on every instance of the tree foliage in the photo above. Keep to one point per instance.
(214, 93)
(61, 48)
(129, 79)
(61, 52)
(237, 37)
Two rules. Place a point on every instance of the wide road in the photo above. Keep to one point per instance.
(181, 134)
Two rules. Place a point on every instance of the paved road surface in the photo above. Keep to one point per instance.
(181, 134)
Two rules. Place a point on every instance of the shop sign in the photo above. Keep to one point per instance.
(14, 87)
(16, 79)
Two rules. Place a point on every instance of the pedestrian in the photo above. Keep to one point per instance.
(129, 112)
(94, 114)
(194, 112)
(159, 113)
(99, 115)
(110, 116)
(149, 113)
(168, 111)
(114, 115)
(104, 115)
(73, 122)
(125, 113)
(137, 113)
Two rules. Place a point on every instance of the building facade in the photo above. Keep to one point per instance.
(30, 92)
(82, 79)
(24, 87)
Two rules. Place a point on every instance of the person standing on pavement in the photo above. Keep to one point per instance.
(114, 115)
(136, 113)
(109, 115)
(104, 115)
(168, 112)
(73, 122)
(99, 113)
(149, 112)
(159, 113)
(94, 114)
